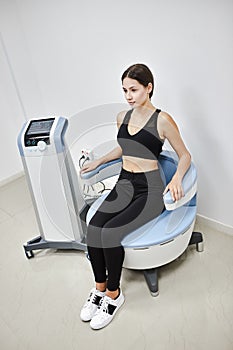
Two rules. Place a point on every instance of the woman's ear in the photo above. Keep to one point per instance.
(149, 88)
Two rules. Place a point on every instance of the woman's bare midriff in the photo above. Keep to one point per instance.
(138, 165)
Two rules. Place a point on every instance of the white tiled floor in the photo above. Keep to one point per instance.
(41, 297)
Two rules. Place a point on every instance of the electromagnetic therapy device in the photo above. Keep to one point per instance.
(53, 185)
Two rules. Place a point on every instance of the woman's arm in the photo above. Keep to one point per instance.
(169, 130)
(114, 154)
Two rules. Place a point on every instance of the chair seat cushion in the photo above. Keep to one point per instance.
(164, 228)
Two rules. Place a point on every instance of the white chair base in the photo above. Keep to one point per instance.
(157, 255)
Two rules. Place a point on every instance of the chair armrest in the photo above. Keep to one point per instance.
(102, 172)
(189, 184)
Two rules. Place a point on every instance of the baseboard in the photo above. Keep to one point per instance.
(216, 225)
(11, 178)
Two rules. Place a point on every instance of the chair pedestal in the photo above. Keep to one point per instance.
(151, 275)
(197, 239)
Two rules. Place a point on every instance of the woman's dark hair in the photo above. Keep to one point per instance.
(141, 73)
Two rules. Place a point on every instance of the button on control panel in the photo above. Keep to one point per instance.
(41, 146)
(30, 142)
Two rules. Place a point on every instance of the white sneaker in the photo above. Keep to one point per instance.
(106, 311)
(91, 305)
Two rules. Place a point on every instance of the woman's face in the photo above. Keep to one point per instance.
(136, 94)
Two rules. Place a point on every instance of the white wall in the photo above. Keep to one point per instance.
(68, 55)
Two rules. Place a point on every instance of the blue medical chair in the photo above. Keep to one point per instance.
(164, 238)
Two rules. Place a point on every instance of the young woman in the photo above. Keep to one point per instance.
(138, 194)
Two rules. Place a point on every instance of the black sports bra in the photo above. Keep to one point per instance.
(146, 143)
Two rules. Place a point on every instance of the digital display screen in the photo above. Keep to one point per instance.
(38, 130)
(40, 127)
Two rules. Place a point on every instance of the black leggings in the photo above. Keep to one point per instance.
(136, 199)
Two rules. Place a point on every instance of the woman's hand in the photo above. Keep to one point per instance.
(90, 166)
(114, 154)
(175, 188)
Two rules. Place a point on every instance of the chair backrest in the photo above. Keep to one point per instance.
(167, 165)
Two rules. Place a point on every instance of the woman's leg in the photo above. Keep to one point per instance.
(108, 209)
(115, 230)
(114, 261)
(98, 264)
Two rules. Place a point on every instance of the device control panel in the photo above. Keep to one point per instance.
(38, 132)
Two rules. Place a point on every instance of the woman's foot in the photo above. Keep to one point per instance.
(113, 294)
(106, 311)
(91, 305)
